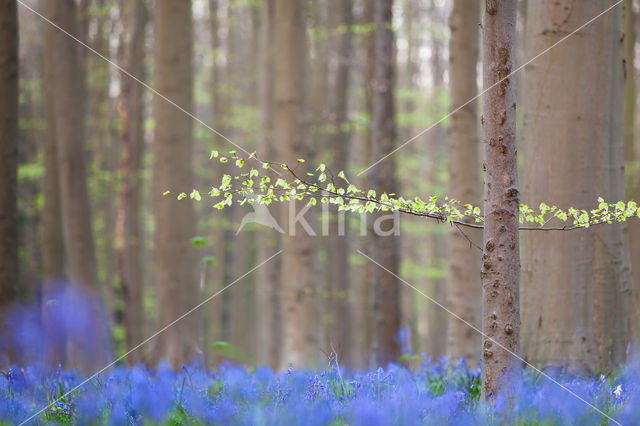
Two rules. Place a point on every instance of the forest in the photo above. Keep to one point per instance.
(319, 212)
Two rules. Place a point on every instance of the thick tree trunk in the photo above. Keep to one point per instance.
(382, 177)
(340, 18)
(174, 264)
(128, 226)
(267, 241)
(8, 159)
(631, 154)
(501, 257)
(464, 286)
(66, 82)
(67, 79)
(300, 325)
(576, 289)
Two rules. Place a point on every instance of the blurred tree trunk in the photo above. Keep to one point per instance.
(8, 159)
(382, 177)
(340, 21)
(501, 258)
(300, 325)
(360, 281)
(435, 155)
(128, 225)
(464, 285)
(631, 154)
(67, 79)
(174, 221)
(267, 242)
(576, 288)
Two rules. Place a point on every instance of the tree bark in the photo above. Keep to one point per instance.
(464, 286)
(174, 262)
(267, 242)
(382, 177)
(501, 258)
(128, 226)
(576, 289)
(300, 325)
(340, 21)
(631, 154)
(8, 159)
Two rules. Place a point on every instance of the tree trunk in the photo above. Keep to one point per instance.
(340, 18)
(128, 226)
(300, 325)
(67, 79)
(501, 258)
(8, 158)
(382, 177)
(174, 264)
(267, 300)
(632, 165)
(464, 285)
(576, 289)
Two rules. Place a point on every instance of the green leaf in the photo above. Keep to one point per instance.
(209, 260)
(198, 241)
(214, 154)
(166, 193)
(182, 195)
(195, 195)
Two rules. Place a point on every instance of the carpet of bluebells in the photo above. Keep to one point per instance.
(433, 393)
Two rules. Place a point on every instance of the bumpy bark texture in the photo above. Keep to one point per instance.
(577, 298)
(300, 325)
(464, 284)
(382, 177)
(174, 262)
(501, 257)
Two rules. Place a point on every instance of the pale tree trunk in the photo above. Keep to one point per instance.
(267, 241)
(501, 258)
(300, 325)
(632, 156)
(576, 290)
(339, 333)
(67, 79)
(464, 286)
(8, 160)
(128, 226)
(174, 264)
(360, 280)
(382, 178)
(215, 310)
(434, 154)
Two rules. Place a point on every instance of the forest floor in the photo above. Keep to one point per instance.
(433, 393)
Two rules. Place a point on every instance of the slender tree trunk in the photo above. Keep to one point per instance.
(576, 289)
(8, 160)
(382, 177)
(267, 300)
(128, 232)
(501, 258)
(300, 326)
(174, 259)
(464, 285)
(340, 20)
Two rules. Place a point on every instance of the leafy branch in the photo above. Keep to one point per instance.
(321, 185)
